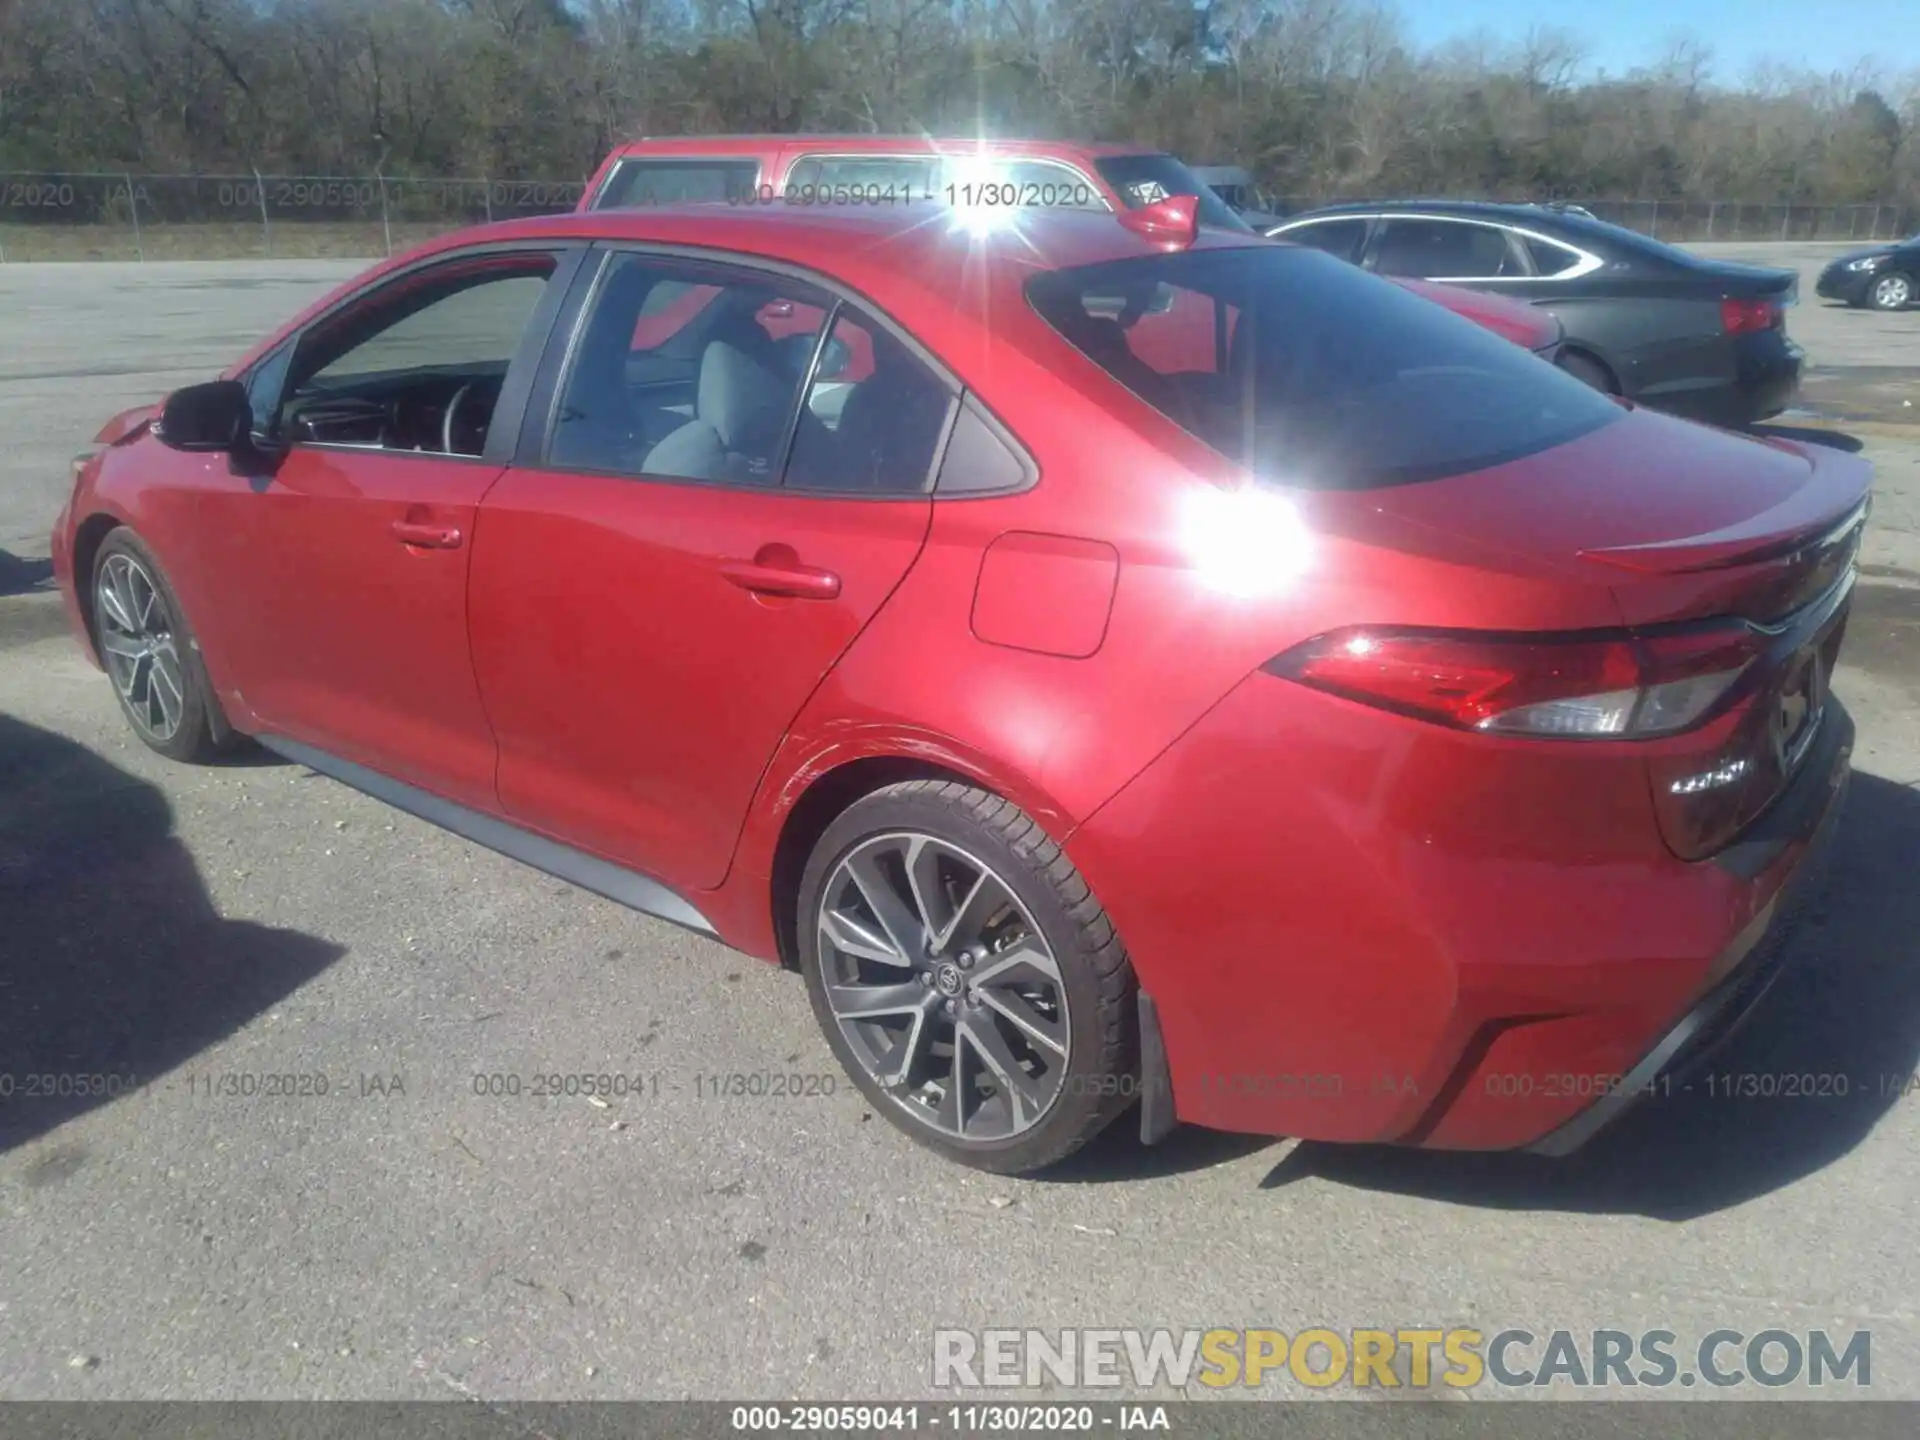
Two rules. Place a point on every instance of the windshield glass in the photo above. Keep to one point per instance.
(1311, 372)
(1145, 179)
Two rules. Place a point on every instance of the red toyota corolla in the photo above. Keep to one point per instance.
(1117, 664)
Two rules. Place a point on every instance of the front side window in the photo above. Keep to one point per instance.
(1313, 373)
(709, 397)
(1339, 238)
(642, 182)
(1444, 250)
(417, 366)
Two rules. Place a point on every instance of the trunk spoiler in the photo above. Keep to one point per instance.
(1800, 524)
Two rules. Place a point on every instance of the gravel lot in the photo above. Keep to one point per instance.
(412, 1238)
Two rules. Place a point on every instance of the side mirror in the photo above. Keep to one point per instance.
(215, 417)
(834, 360)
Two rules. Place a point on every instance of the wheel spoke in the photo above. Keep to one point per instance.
(113, 607)
(145, 594)
(923, 885)
(135, 679)
(870, 1002)
(911, 1048)
(1024, 1097)
(120, 646)
(167, 689)
(1000, 968)
(847, 935)
(122, 577)
(893, 913)
(970, 917)
(1020, 1011)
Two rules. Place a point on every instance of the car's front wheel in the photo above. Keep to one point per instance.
(1891, 292)
(966, 977)
(150, 654)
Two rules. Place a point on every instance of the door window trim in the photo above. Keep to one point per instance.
(1589, 262)
(517, 385)
(569, 326)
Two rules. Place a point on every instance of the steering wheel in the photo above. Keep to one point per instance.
(453, 412)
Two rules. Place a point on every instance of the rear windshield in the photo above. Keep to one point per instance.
(1311, 372)
(637, 183)
(1144, 179)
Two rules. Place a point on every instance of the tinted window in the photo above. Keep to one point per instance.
(664, 182)
(874, 416)
(712, 400)
(1314, 373)
(1337, 237)
(1443, 249)
(1147, 179)
(1549, 258)
(419, 364)
(978, 459)
(864, 176)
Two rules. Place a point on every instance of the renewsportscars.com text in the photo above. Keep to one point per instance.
(1416, 1359)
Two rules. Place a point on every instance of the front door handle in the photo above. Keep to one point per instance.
(770, 574)
(427, 537)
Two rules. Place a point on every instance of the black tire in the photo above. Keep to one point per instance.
(201, 732)
(1099, 1077)
(1588, 372)
(1894, 290)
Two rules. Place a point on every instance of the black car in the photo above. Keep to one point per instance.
(1706, 339)
(1886, 277)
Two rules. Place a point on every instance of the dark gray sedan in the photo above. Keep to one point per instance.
(1702, 338)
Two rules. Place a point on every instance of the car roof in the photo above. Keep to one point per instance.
(1486, 209)
(916, 262)
(869, 144)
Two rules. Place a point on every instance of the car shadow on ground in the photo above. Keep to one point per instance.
(1848, 1006)
(115, 966)
(19, 576)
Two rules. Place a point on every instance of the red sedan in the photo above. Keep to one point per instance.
(1120, 665)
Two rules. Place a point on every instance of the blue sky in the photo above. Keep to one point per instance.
(1621, 34)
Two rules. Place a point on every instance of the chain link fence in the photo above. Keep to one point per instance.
(222, 217)
(1691, 221)
(94, 216)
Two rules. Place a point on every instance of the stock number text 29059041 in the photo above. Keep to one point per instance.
(971, 195)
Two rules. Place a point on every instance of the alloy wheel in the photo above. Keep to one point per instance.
(943, 987)
(1893, 292)
(137, 642)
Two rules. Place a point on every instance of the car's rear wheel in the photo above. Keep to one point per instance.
(150, 654)
(966, 977)
(1589, 372)
(1893, 291)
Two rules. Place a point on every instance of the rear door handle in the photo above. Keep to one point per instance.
(427, 537)
(802, 582)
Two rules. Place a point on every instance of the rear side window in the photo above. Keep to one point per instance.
(1444, 250)
(861, 177)
(1550, 259)
(665, 182)
(1313, 373)
(1339, 238)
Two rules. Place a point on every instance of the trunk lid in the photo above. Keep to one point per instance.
(1679, 520)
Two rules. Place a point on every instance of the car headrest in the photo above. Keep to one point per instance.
(744, 401)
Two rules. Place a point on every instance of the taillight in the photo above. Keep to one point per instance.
(1607, 686)
(1749, 317)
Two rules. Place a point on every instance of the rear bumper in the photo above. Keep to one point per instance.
(1797, 832)
(1766, 377)
(1384, 932)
